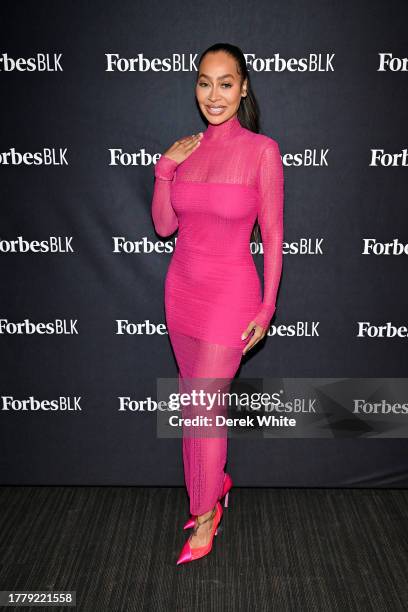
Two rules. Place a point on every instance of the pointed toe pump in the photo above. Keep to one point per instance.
(192, 554)
(224, 495)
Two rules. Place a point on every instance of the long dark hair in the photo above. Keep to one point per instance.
(248, 111)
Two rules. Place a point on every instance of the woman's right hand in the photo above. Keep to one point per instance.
(182, 148)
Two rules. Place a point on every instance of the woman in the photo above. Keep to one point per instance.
(212, 187)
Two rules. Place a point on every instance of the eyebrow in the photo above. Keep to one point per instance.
(221, 77)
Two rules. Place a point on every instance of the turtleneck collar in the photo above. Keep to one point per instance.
(223, 131)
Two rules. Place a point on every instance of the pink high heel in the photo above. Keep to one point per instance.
(192, 554)
(225, 493)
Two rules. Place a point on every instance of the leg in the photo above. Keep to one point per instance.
(206, 367)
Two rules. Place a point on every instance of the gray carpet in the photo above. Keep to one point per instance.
(279, 549)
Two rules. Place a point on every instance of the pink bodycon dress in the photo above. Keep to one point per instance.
(212, 288)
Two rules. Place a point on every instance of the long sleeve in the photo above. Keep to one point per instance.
(164, 218)
(270, 218)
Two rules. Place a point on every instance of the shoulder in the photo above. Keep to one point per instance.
(266, 142)
(261, 142)
(269, 160)
(267, 152)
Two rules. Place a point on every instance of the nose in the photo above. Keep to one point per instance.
(213, 99)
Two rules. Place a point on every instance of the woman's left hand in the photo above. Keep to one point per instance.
(258, 334)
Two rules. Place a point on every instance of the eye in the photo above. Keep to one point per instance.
(227, 85)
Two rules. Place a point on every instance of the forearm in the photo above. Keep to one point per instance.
(273, 263)
(164, 218)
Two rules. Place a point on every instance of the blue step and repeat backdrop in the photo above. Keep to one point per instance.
(91, 95)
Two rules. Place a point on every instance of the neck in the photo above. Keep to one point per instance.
(223, 131)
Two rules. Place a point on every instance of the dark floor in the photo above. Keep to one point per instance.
(279, 549)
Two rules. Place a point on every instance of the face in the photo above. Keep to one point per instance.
(218, 87)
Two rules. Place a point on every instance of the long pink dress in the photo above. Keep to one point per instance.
(212, 288)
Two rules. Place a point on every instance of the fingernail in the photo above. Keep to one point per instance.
(243, 336)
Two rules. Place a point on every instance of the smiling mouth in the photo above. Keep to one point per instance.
(215, 110)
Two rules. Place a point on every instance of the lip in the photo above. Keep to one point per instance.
(211, 111)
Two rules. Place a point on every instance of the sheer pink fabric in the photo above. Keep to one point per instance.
(212, 288)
